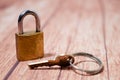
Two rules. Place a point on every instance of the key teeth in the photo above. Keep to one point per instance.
(31, 67)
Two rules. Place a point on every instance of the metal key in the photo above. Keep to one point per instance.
(62, 61)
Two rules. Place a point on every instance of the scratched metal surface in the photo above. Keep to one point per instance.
(69, 26)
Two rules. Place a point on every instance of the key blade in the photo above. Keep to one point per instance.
(38, 64)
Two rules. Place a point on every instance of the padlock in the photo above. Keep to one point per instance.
(29, 45)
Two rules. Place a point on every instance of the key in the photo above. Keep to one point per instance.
(62, 61)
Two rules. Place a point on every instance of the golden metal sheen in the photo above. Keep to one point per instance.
(29, 45)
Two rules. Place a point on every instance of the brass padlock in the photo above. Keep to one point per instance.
(29, 45)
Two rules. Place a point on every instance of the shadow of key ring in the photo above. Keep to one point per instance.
(91, 72)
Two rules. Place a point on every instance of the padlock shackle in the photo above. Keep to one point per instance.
(21, 17)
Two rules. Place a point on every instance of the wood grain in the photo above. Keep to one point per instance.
(88, 37)
(53, 42)
(9, 28)
(112, 31)
(69, 26)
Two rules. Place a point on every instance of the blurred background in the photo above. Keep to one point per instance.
(69, 26)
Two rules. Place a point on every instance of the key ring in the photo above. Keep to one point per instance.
(91, 72)
(68, 60)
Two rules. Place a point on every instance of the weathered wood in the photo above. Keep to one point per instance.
(87, 37)
(8, 28)
(69, 26)
(57, 36)
(112, 37)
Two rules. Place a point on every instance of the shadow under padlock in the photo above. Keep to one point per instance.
(29, 45)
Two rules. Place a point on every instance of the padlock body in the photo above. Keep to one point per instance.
(29, 45)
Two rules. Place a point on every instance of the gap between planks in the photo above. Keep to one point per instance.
(62, 26)
(45, 23)
(69, 37)
(104, 46)
(103, 51)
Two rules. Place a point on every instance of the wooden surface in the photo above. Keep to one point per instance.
(69, 26)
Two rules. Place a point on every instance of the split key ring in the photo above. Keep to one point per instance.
(68, 60)
(91, 72)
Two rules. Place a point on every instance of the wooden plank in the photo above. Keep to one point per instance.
(57, 36)
(8, 23)
(112, 31)
(91, 40)
(87, 37)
